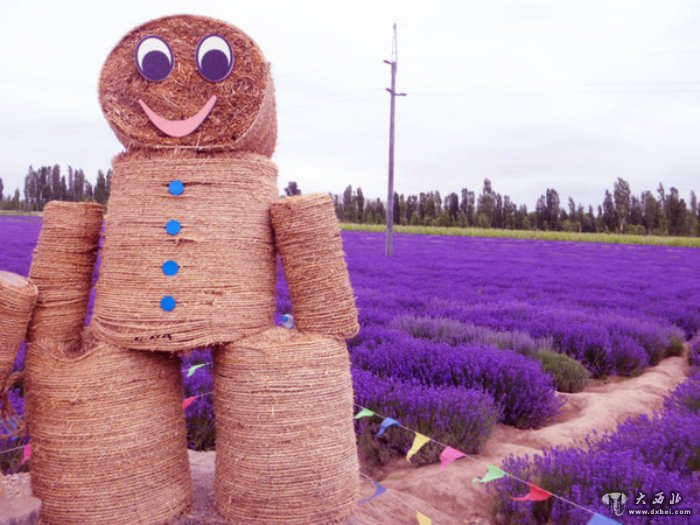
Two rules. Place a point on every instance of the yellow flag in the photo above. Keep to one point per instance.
(418, 443)
(423, 519)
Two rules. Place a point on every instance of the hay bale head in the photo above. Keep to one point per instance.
(189, 81)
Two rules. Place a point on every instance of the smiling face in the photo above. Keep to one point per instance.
(187, 81)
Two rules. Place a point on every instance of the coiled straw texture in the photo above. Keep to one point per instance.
(62, 269)
(223, 286)
(17, 299)
(308, 239)
(285, 440)
(108, 435)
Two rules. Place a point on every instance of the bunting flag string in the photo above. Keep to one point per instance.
(450, 454)
(187, 402)
(423, 519)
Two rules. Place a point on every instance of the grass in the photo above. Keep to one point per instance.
(17, 212)
(610, 238)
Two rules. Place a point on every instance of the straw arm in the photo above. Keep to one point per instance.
(17, 299)
(62, 269)
(307, 237)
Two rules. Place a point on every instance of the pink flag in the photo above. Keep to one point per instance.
(535, 494)
(26, 452)
(448, 456)
(187, 402)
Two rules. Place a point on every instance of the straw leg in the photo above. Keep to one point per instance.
(285, 444)
(108, 435)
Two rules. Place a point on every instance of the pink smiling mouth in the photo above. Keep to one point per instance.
(179, 128)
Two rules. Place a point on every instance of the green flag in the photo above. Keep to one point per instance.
(365, 412)
(194, 368)
(492, 474)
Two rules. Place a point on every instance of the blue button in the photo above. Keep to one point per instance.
(170, 268)
(176, 187)
(173, 227)
(167, 303)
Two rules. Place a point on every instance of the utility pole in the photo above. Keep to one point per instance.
(390, 192)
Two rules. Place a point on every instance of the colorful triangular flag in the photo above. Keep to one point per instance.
(194, 368)
(187, 402)
(599, 519)
(378, 491)
(492, 474)
(448, 456)
(388, 422)
(536, 494)
(26, 453)
(365, 412)
(418, 443)
(423, 519)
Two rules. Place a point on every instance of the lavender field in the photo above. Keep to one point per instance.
(460, 334)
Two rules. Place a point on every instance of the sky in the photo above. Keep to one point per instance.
(531, 94)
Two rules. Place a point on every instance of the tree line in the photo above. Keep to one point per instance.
(47, 183)
(659, 213)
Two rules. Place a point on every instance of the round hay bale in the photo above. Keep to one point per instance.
(308, 239)
(243, 116)
(62, 267)
(17, 299)
(224, 250)
(285, 442)
(108, 435)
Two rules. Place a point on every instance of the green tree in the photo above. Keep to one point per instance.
(360, 199)
(621, 195)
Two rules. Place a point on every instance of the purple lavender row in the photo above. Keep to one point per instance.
(462, 417)
(517, 384)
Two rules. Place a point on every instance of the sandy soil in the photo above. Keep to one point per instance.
(449, 497)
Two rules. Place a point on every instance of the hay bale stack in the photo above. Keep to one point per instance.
(17, 298)
(62, 268)
(285, 442)
(108, 436)
(308, 239)
(243, 117)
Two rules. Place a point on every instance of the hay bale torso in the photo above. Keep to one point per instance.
(214, 236)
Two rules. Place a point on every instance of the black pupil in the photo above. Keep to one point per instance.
(215, 65)
(156, 65)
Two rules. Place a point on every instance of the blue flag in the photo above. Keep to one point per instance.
(386, 424)
(378, 491)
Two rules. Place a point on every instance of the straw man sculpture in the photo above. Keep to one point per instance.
(189, 258)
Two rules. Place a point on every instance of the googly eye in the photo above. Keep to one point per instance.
(214, 58)
(154, 58)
